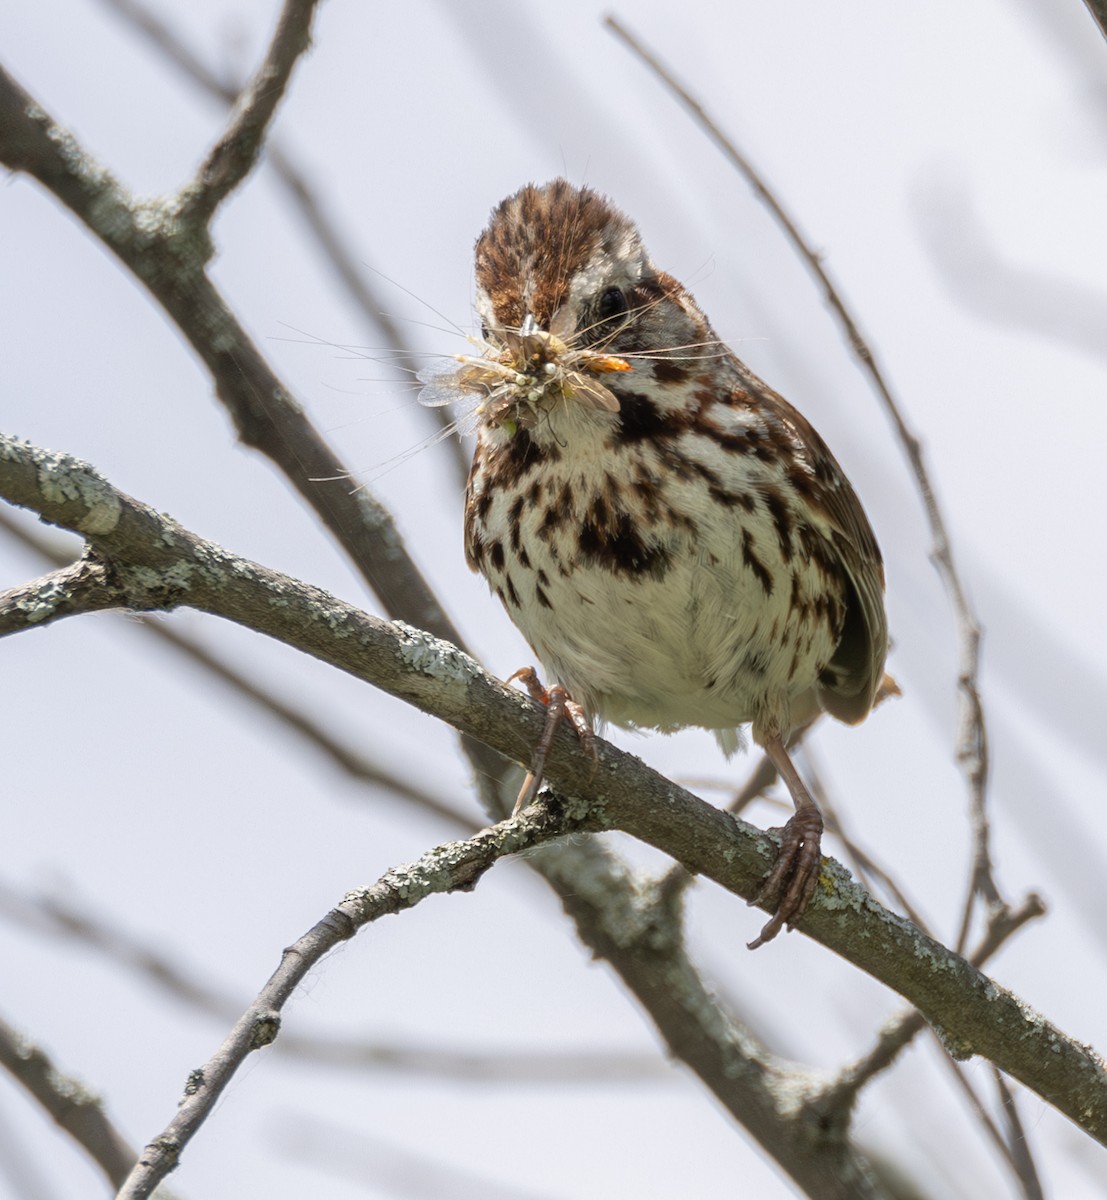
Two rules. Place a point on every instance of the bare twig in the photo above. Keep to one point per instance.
(233, 156)
(1018, 1145)
(1011, 1147)
(972, 742)
(983, 1116)
(866, 867)
(454, 866)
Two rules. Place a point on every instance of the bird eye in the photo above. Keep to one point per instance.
(613, 303)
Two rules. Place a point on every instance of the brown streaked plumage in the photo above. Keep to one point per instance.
(676, 542)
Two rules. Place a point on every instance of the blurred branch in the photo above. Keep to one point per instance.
(972, 745)
(374, 1165)
(1014, 1153)
(69, 1103)
(454, 866)
(319, 223)
(965, 255)
(1098, 9)
(139, 559)
(21, 1169)
(345, 757)
(58, 918)
(1018, 1143)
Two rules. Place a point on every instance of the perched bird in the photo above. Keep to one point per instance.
(674, 540)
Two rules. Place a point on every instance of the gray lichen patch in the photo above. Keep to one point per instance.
(432, 656)
(45, 601)
(63, 479)
(157, 587)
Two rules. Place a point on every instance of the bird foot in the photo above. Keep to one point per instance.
(789, 886)
(559, 706)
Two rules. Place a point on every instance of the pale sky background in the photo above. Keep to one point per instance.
(950, 161)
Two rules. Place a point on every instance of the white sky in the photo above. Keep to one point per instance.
(951, 163)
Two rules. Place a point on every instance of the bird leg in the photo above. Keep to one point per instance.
(559, 705)
(790, 884)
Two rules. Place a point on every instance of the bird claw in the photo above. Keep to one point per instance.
(790, 884)
(559, 705)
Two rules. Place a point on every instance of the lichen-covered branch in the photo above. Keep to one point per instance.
(155, 563)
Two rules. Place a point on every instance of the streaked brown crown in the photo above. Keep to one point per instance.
(538, 239)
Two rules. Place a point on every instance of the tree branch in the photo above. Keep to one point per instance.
(155, 563)
(840, 1096)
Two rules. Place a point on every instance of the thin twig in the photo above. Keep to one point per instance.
(233, 156)
(454, 866)
(1012, 1147)
(865, 866)
(983, 1116)
(1021, 1158)
(972, 742)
